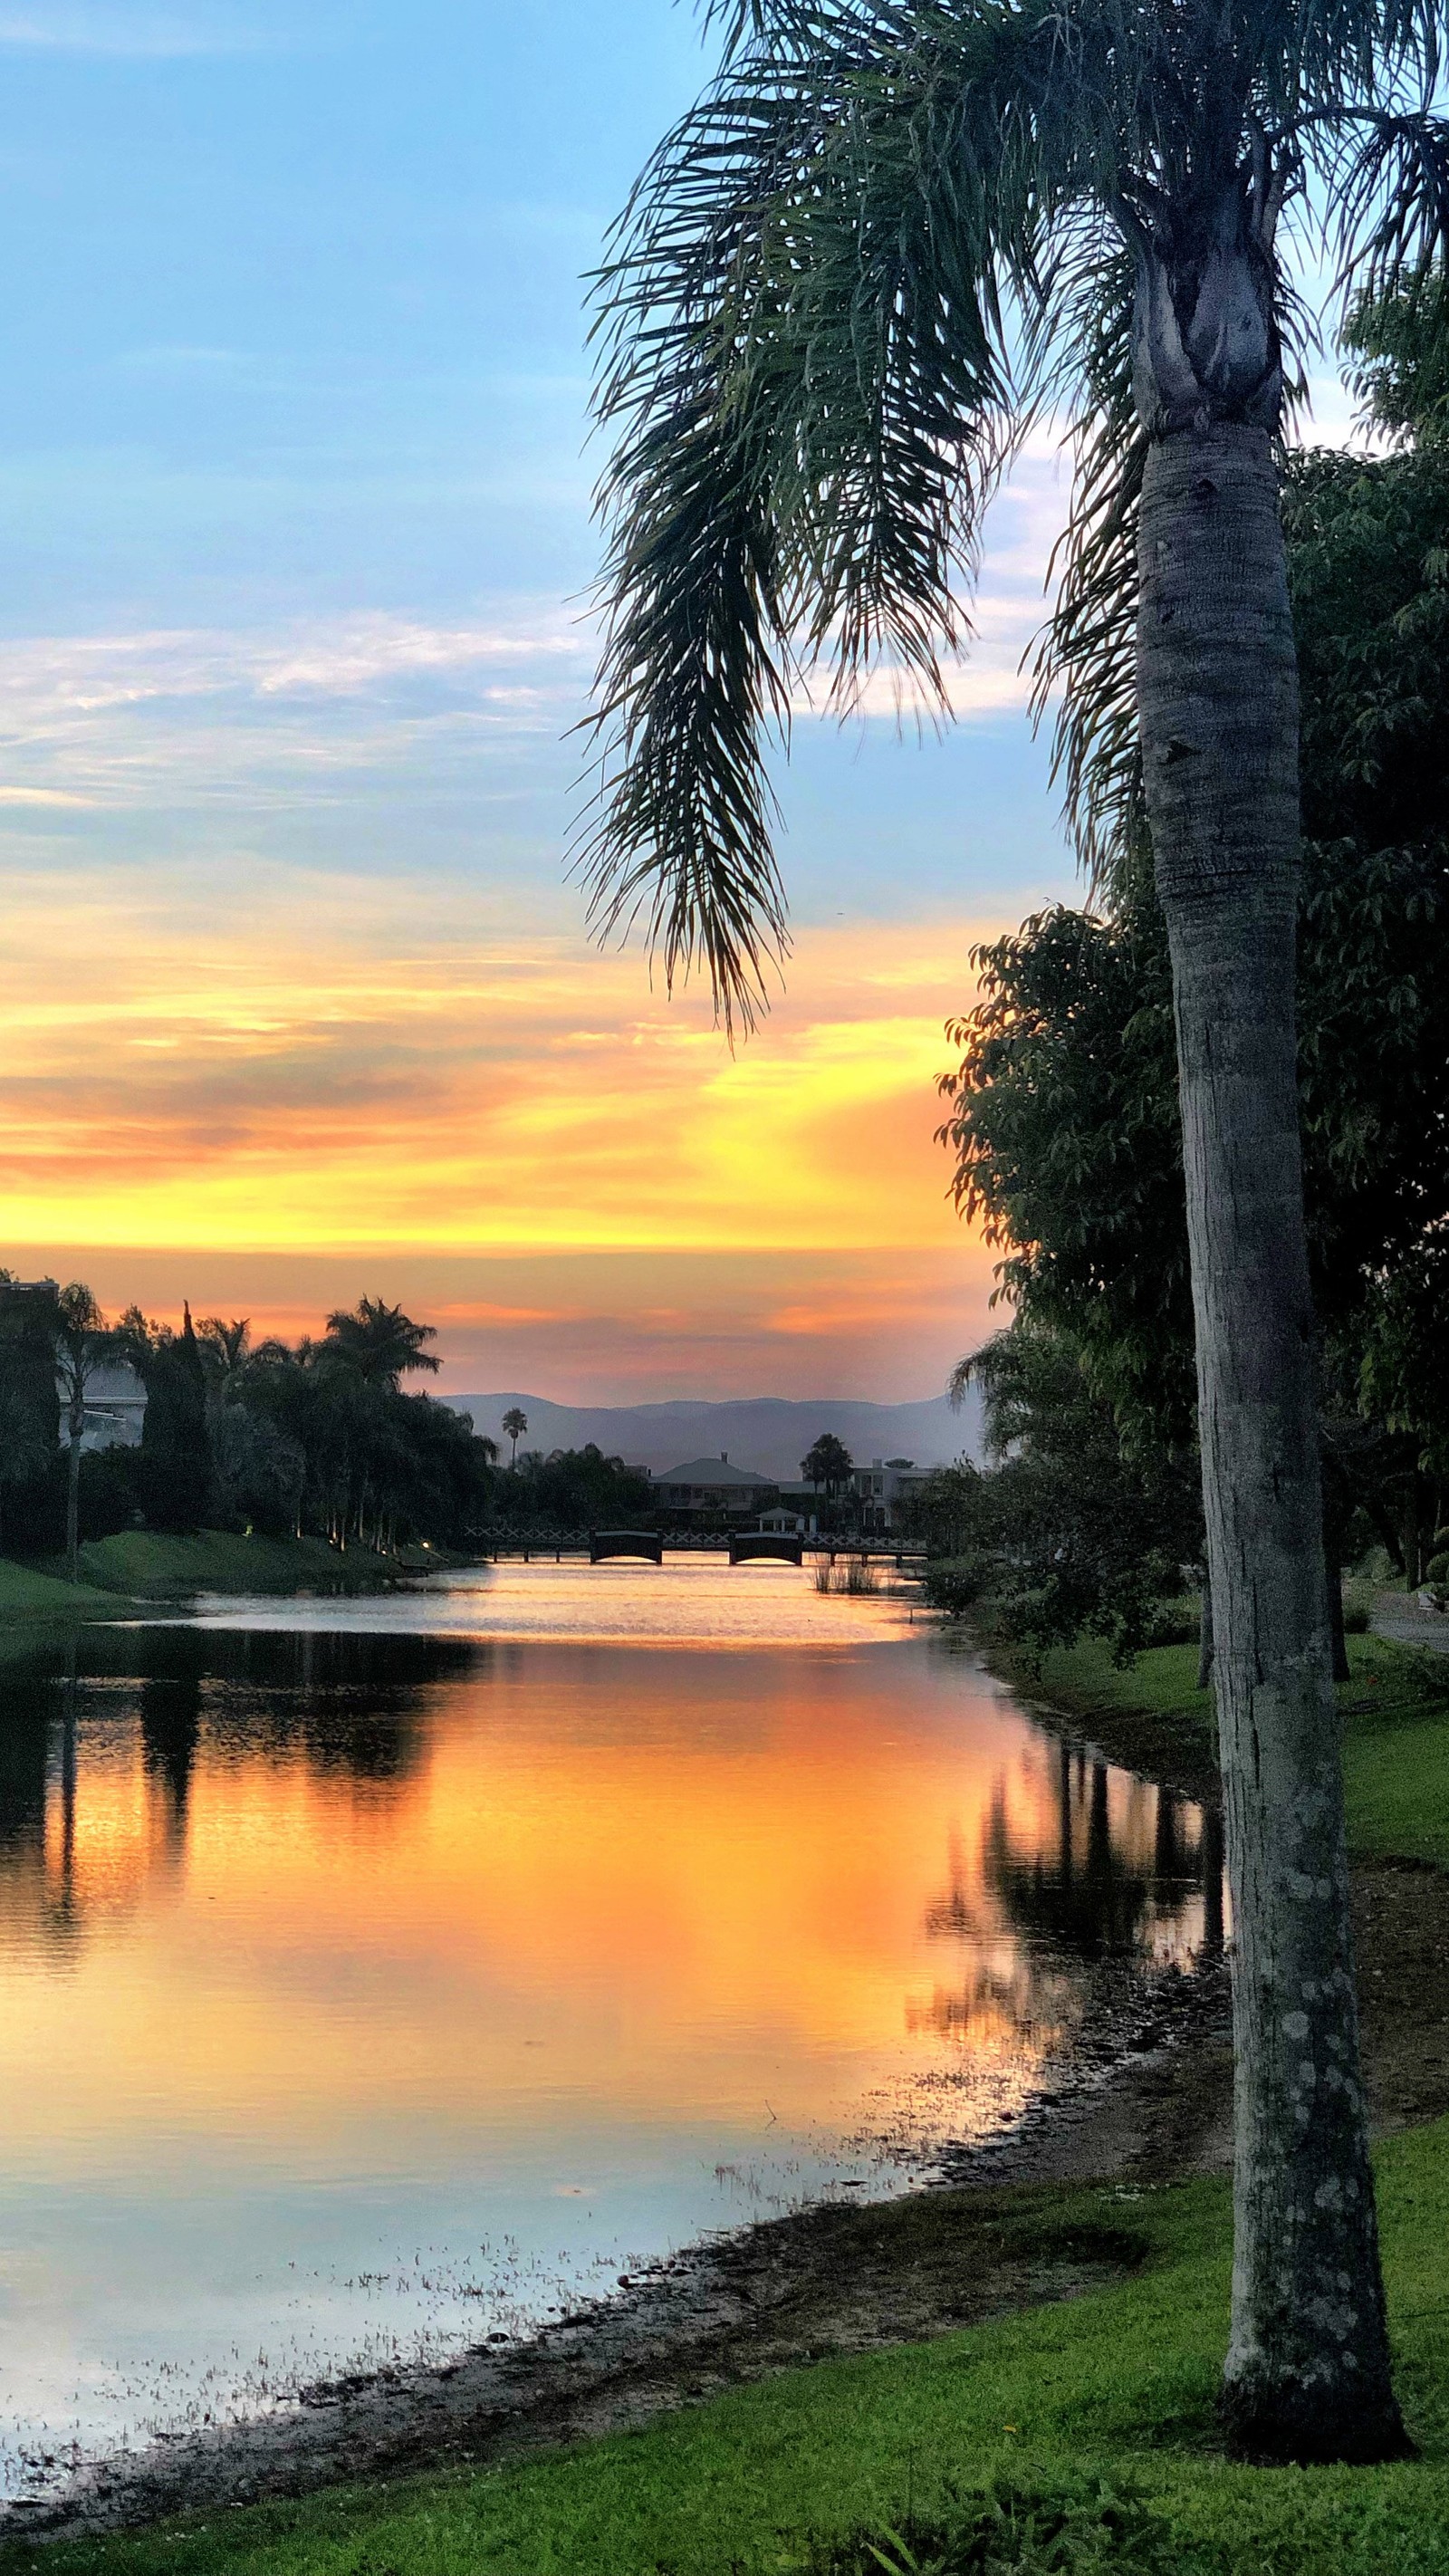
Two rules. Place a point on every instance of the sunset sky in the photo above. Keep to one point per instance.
(295, 999)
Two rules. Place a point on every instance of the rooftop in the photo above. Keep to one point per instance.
(713, 1471)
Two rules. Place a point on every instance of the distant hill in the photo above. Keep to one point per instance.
(765, 1431)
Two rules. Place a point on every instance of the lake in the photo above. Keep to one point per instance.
(381, 1976)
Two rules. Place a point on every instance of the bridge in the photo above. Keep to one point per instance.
(747, 1546)
(604, 1544)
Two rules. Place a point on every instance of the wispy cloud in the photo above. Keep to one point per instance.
(178, 716)
(109, 27)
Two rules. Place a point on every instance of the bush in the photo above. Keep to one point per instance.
(1072, 2527)
(1437, 1569)
(952, 1586)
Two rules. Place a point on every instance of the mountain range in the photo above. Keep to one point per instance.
(767, 1432)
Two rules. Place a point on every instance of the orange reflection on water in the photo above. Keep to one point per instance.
(576, 1875)
(365, 1985)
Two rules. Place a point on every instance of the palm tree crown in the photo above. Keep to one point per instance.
(379, 1342)
(893, 233)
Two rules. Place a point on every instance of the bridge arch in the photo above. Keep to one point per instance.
(747, 1547)
(604, 1544)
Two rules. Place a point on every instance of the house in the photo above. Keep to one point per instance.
(883, 1486)
(115, 1408)
(713, 1485)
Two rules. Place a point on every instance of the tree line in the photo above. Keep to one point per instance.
(1064, 1116)
(316, 1436)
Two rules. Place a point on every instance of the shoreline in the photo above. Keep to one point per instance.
(1143, 2102)
(973, 2234)
(993, 2229)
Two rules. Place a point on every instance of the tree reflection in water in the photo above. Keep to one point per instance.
(1096, 1890)
(345, 1709)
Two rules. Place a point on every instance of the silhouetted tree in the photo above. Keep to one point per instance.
(828, 1463)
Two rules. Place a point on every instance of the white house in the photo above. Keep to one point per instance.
(115, 1408)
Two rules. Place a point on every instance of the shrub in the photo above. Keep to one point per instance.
(951, 1586)
(1437, 1569)
(1068, 2527)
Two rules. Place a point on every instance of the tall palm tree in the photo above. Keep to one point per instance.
(515, 1423)
(892, 235)
(82, 1348)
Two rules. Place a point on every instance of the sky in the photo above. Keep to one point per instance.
(296, 1001)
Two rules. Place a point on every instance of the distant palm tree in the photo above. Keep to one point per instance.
(829, 1464)
(226, 1348)
(515, 1424)
(380, 1342)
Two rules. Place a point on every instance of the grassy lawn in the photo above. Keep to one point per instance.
(28, 1594)
(1120, 2382)
(149, 1565)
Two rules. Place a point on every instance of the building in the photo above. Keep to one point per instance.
(880, 1488)
(115, 1408)
(705, 1486)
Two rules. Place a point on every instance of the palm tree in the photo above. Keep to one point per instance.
(380, 1342)
(828, 1463)
(82, 1347)
(515, 1423)
(894, 234)
(225, 1348)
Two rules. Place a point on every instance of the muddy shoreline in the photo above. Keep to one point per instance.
(1144, 2099)
(963, 2242)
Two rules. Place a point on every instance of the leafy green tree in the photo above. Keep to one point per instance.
(29, 1403)
(175, 1460)
(847, 283)
(1073, 1533)
(575, 1490)
(258, 1472)
(1063, 1111)
(943, 1513)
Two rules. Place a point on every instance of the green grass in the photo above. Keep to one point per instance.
(27, 1594)
(1120, 2382)
(149, 1565)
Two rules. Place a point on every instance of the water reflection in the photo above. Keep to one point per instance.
(1124, 1871)
(367, 1986)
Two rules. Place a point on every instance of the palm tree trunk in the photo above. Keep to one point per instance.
(1307, 2373)
(72, 1498)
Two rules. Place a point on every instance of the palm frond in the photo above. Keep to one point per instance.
(1391, 179)
(806, 327)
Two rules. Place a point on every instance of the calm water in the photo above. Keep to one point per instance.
(378, 1977)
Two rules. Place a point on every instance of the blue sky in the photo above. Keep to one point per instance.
(295, 361)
